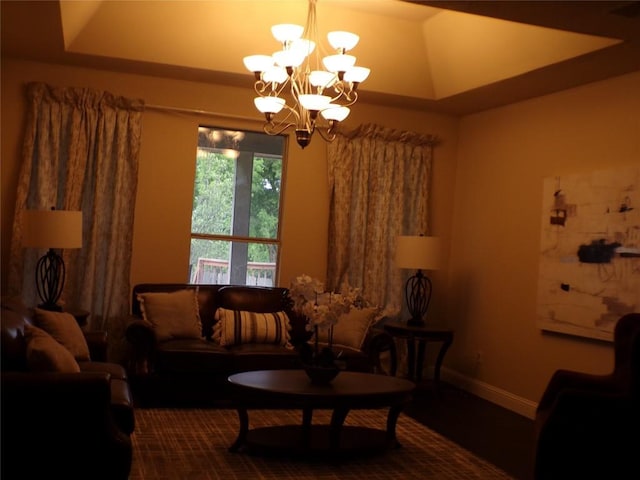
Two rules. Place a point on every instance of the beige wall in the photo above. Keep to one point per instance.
(488, 208)
(165, 187)
(503, 156)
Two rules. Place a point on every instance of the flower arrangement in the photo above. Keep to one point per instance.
(322, 310)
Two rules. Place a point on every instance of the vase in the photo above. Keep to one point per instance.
(321, 375)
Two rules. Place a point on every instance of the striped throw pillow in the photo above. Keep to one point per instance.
(235, 327)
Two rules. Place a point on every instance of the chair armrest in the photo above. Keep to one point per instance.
(376, 343)
(568, 379)
(142, 342)
(98, 343)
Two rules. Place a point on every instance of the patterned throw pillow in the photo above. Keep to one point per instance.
(352, 328)
(172, 314)
(64, 328)
(235, 327)
(46, 354)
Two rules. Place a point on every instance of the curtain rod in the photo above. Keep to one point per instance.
(164, 108)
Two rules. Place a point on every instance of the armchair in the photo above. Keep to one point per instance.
(588, 426)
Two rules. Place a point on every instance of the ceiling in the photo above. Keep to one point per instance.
(456, 57)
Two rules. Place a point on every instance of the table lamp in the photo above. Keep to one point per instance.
(420, 253)
(51, 229)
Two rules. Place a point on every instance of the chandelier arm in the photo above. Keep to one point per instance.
(279, 91)
(276, 127)
(290, 111)
(327, 133)
(259, 86)
(271, 128)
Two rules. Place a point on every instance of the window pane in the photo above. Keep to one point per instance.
(213, 193)
(209, 263)
(236, 199)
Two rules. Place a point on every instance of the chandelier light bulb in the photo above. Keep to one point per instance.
(322, 78)
(314, 102)
(338, 63)
(258, 63)
(356, 74)
(303, 46)
(275, 75)
(286, 32)
(269, 104)
(289, 58)
(343, 41)
(335, 113)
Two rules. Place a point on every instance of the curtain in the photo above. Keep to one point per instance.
(379, 182)
(80, 152)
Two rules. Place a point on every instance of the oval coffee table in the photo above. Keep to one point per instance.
(292, 389)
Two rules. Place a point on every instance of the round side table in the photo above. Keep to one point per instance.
(419, 336)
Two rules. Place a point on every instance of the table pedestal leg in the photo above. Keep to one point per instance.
(243, 416)
(411, 358)
(422, 344)
(392, 419)
(337, 420)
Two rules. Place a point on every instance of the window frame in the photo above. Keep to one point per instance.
(245, 239)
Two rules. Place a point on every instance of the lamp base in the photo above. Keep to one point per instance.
(50, 276)
(417, 293)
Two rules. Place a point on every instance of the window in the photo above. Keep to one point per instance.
(235, 222)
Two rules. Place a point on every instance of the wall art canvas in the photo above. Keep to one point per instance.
(589, 252)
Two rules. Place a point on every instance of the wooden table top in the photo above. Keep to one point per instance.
(346, 384)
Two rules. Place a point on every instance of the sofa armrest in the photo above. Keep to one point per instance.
(98, 343)
(62, 417)
(376, 343)
(143, 342)
(22, 388)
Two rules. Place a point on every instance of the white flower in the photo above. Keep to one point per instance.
(322, 309)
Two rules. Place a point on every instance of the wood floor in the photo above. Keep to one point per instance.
(500, 436)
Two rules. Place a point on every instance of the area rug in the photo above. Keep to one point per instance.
(192, 444)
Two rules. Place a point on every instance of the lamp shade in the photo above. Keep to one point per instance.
(418, 252)
(52, 229)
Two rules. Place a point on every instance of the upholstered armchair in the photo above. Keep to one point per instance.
(588, 426)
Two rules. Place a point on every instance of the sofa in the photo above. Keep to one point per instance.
(182, 355)
(66, 412)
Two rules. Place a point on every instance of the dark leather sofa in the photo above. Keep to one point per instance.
(588, 425)
(194, 371)
(62, 425)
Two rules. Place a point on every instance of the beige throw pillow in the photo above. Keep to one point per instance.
(63, 327)
(172, 314)
(46, 354)
(235, 327)
(351, 329)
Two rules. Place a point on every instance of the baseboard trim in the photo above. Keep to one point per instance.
(508, 400)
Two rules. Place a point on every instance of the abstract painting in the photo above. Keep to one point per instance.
(589, 272)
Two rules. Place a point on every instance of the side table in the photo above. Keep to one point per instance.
(420, 335)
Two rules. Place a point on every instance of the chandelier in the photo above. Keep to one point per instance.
(295, 91)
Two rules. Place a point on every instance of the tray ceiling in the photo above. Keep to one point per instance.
(454, 57)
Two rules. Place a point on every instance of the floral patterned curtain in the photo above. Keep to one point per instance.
(379, 182)
(80, 152)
